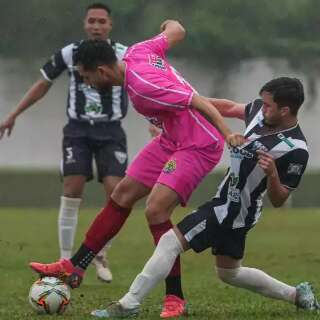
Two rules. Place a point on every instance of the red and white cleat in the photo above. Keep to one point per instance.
(173, 306)
(62, 269)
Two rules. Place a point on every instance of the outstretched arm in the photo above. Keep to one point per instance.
(211, 113)
(35, 93)
(229, 108)
(174, 32)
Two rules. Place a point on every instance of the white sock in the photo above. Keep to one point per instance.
(257, 281)
(155, 270)
(67, 225)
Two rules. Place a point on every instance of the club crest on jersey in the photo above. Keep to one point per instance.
(295, 168)
(170, 166)
(120, 156)
(157, 62)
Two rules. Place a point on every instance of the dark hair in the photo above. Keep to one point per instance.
(99, 5)
(286, 92)
(93, 53)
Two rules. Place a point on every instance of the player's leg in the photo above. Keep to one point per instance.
(111, 162)
(76, 170)
(230, 270)
(193, 231)
(180, 176)
(142, 174)
(170, 246)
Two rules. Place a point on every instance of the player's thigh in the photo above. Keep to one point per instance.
(227, 262)
(111, 158)
(149, 162)
(185, 170)
(128, 191)
(76, 157)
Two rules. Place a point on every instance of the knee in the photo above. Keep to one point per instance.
(227, 275)
(122, 195)
(154, 212)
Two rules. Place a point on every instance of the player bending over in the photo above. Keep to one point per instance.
(273, 161)
(170, 167)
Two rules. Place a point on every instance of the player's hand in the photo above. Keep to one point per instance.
(154, 131)
(266, 163)
(7, 126)
(235, 139)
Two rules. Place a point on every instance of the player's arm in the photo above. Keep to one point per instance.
(35, 93)
(214, 117)
(277, 193)
(174, 32)
(229, 108)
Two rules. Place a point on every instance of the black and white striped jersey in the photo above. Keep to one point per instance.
(238, 201)
(84, 102)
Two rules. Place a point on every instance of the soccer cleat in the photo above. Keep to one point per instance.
(115, 310)
(62, 269)
(102, 268)
(305, 298)
(173, 306)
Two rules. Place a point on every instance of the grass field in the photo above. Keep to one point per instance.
(285, 244)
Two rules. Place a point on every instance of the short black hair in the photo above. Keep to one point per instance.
(93, 53)
(286, 92)
(99, 5)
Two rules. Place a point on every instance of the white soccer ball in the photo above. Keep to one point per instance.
(49, 295)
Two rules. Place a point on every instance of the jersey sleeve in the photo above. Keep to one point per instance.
(58, 63)
(251, 109)
(157, 45)
(291, 167)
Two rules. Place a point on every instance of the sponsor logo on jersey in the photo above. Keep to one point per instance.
(295, 168)
(170, 166)
(238, 153)
(120, 156)
(157, 62)
(93, 108)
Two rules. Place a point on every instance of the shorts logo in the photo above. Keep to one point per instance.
(170, 166)
(69, 156)
(295, 168)
(157, 62)
(120, 156)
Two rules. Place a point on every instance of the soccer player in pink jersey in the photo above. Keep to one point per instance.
(170, 167)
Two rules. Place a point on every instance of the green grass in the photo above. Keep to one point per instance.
(284, 244)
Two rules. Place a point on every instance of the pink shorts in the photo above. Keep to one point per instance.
(180, 170)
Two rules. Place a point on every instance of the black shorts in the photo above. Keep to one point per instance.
(105, 143)
(202, 230)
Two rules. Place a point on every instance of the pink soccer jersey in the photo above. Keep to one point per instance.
(160, 93)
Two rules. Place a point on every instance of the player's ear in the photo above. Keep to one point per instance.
(285, 111)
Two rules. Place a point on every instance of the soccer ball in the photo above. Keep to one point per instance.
(49, 295)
